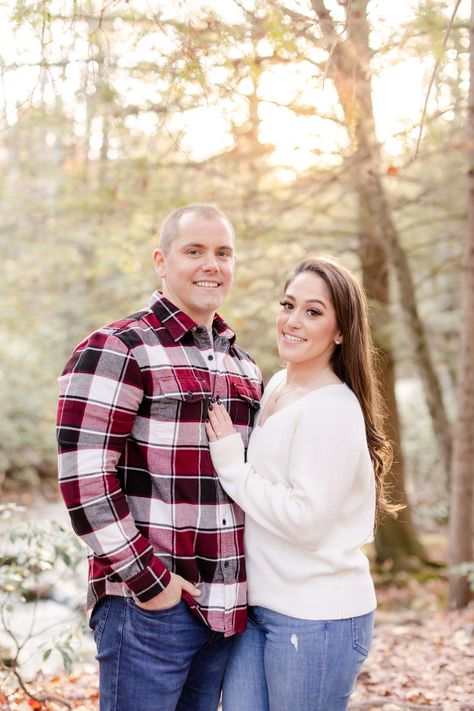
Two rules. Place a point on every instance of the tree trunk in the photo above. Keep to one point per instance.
(395, 538)
(350, 71)
(461, 525)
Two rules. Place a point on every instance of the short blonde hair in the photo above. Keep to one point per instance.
(170, 227)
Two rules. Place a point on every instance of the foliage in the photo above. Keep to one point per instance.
(101, 142)
(30, 549)
(28, 552)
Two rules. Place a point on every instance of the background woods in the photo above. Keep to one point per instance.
(301, 119)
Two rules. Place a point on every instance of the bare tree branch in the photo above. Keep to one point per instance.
(433, 76)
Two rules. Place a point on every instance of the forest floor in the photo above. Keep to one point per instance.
(422, 657)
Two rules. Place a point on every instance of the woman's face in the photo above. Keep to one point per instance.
(306, 324)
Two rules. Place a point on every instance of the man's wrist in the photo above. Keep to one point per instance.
(150, 582)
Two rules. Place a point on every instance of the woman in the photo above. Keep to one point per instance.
(310, 487)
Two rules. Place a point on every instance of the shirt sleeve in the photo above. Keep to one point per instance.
(324, 454)
(100, 392)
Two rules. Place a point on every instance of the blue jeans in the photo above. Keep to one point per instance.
(288, 664)
(165, 660)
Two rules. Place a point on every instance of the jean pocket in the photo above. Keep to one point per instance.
(99, 617)
(153, 613)
(362, 631)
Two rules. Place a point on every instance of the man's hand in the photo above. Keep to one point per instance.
(220, 425)
(171, 595)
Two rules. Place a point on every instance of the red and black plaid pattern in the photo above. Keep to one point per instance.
(134, 464)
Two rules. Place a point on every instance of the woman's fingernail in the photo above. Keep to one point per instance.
(207, 419)
(210, 407)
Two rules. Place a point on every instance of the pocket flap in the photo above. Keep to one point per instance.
(187, 389)
(248, 392)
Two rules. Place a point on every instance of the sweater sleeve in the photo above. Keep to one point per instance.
(324, 455)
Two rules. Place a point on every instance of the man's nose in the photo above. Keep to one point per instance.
(210, 263)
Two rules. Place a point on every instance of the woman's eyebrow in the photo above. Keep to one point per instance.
(315, 301)
(307, 301)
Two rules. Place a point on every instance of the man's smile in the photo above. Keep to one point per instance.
(207, 284)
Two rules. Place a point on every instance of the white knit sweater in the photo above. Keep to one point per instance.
(309, 496)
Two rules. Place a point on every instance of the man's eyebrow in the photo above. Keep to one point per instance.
(200, 245)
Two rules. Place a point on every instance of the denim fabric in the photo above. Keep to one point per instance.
(157, 661)
(288, 664)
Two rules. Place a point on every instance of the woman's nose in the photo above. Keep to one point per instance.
(294, 320)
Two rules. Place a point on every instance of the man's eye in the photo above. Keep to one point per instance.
(225, 254)
(192, 252)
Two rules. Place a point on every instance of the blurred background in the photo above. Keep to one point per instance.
(113, 115)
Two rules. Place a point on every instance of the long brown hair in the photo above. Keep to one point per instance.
(353, 360)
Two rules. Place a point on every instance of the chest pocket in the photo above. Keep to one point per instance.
(244, 402)
(180, 398)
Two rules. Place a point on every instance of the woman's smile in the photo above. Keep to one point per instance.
(292, 338)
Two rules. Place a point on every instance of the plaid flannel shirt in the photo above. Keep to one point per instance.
(134, 464)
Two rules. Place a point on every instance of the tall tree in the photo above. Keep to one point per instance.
(461, 520)
(349, 69)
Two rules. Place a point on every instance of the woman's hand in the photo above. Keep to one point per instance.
(220, 425)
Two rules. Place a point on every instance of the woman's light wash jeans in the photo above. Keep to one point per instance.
(288, 664)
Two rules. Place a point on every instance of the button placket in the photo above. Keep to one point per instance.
(220, 385)
(227, 551)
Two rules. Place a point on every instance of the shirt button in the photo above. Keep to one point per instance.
(224, 522)
(226, 564)
(210, 357)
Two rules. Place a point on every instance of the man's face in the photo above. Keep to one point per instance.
(199, 268)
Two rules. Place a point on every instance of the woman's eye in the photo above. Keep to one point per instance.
(313, 312)
(286, 305)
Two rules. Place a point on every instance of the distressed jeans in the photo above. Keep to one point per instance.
(165, 660)
(288, 664)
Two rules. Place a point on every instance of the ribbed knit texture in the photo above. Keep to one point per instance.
(308, 491)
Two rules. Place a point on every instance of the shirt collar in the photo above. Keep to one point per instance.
(177, 323)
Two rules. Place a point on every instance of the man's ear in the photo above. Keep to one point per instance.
(159, 261)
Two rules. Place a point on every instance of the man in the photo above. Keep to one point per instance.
(166, 567)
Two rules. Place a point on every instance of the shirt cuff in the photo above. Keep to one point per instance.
(149, 582)
(228, 454)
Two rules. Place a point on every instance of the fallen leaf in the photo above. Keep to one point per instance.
(34, 704)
